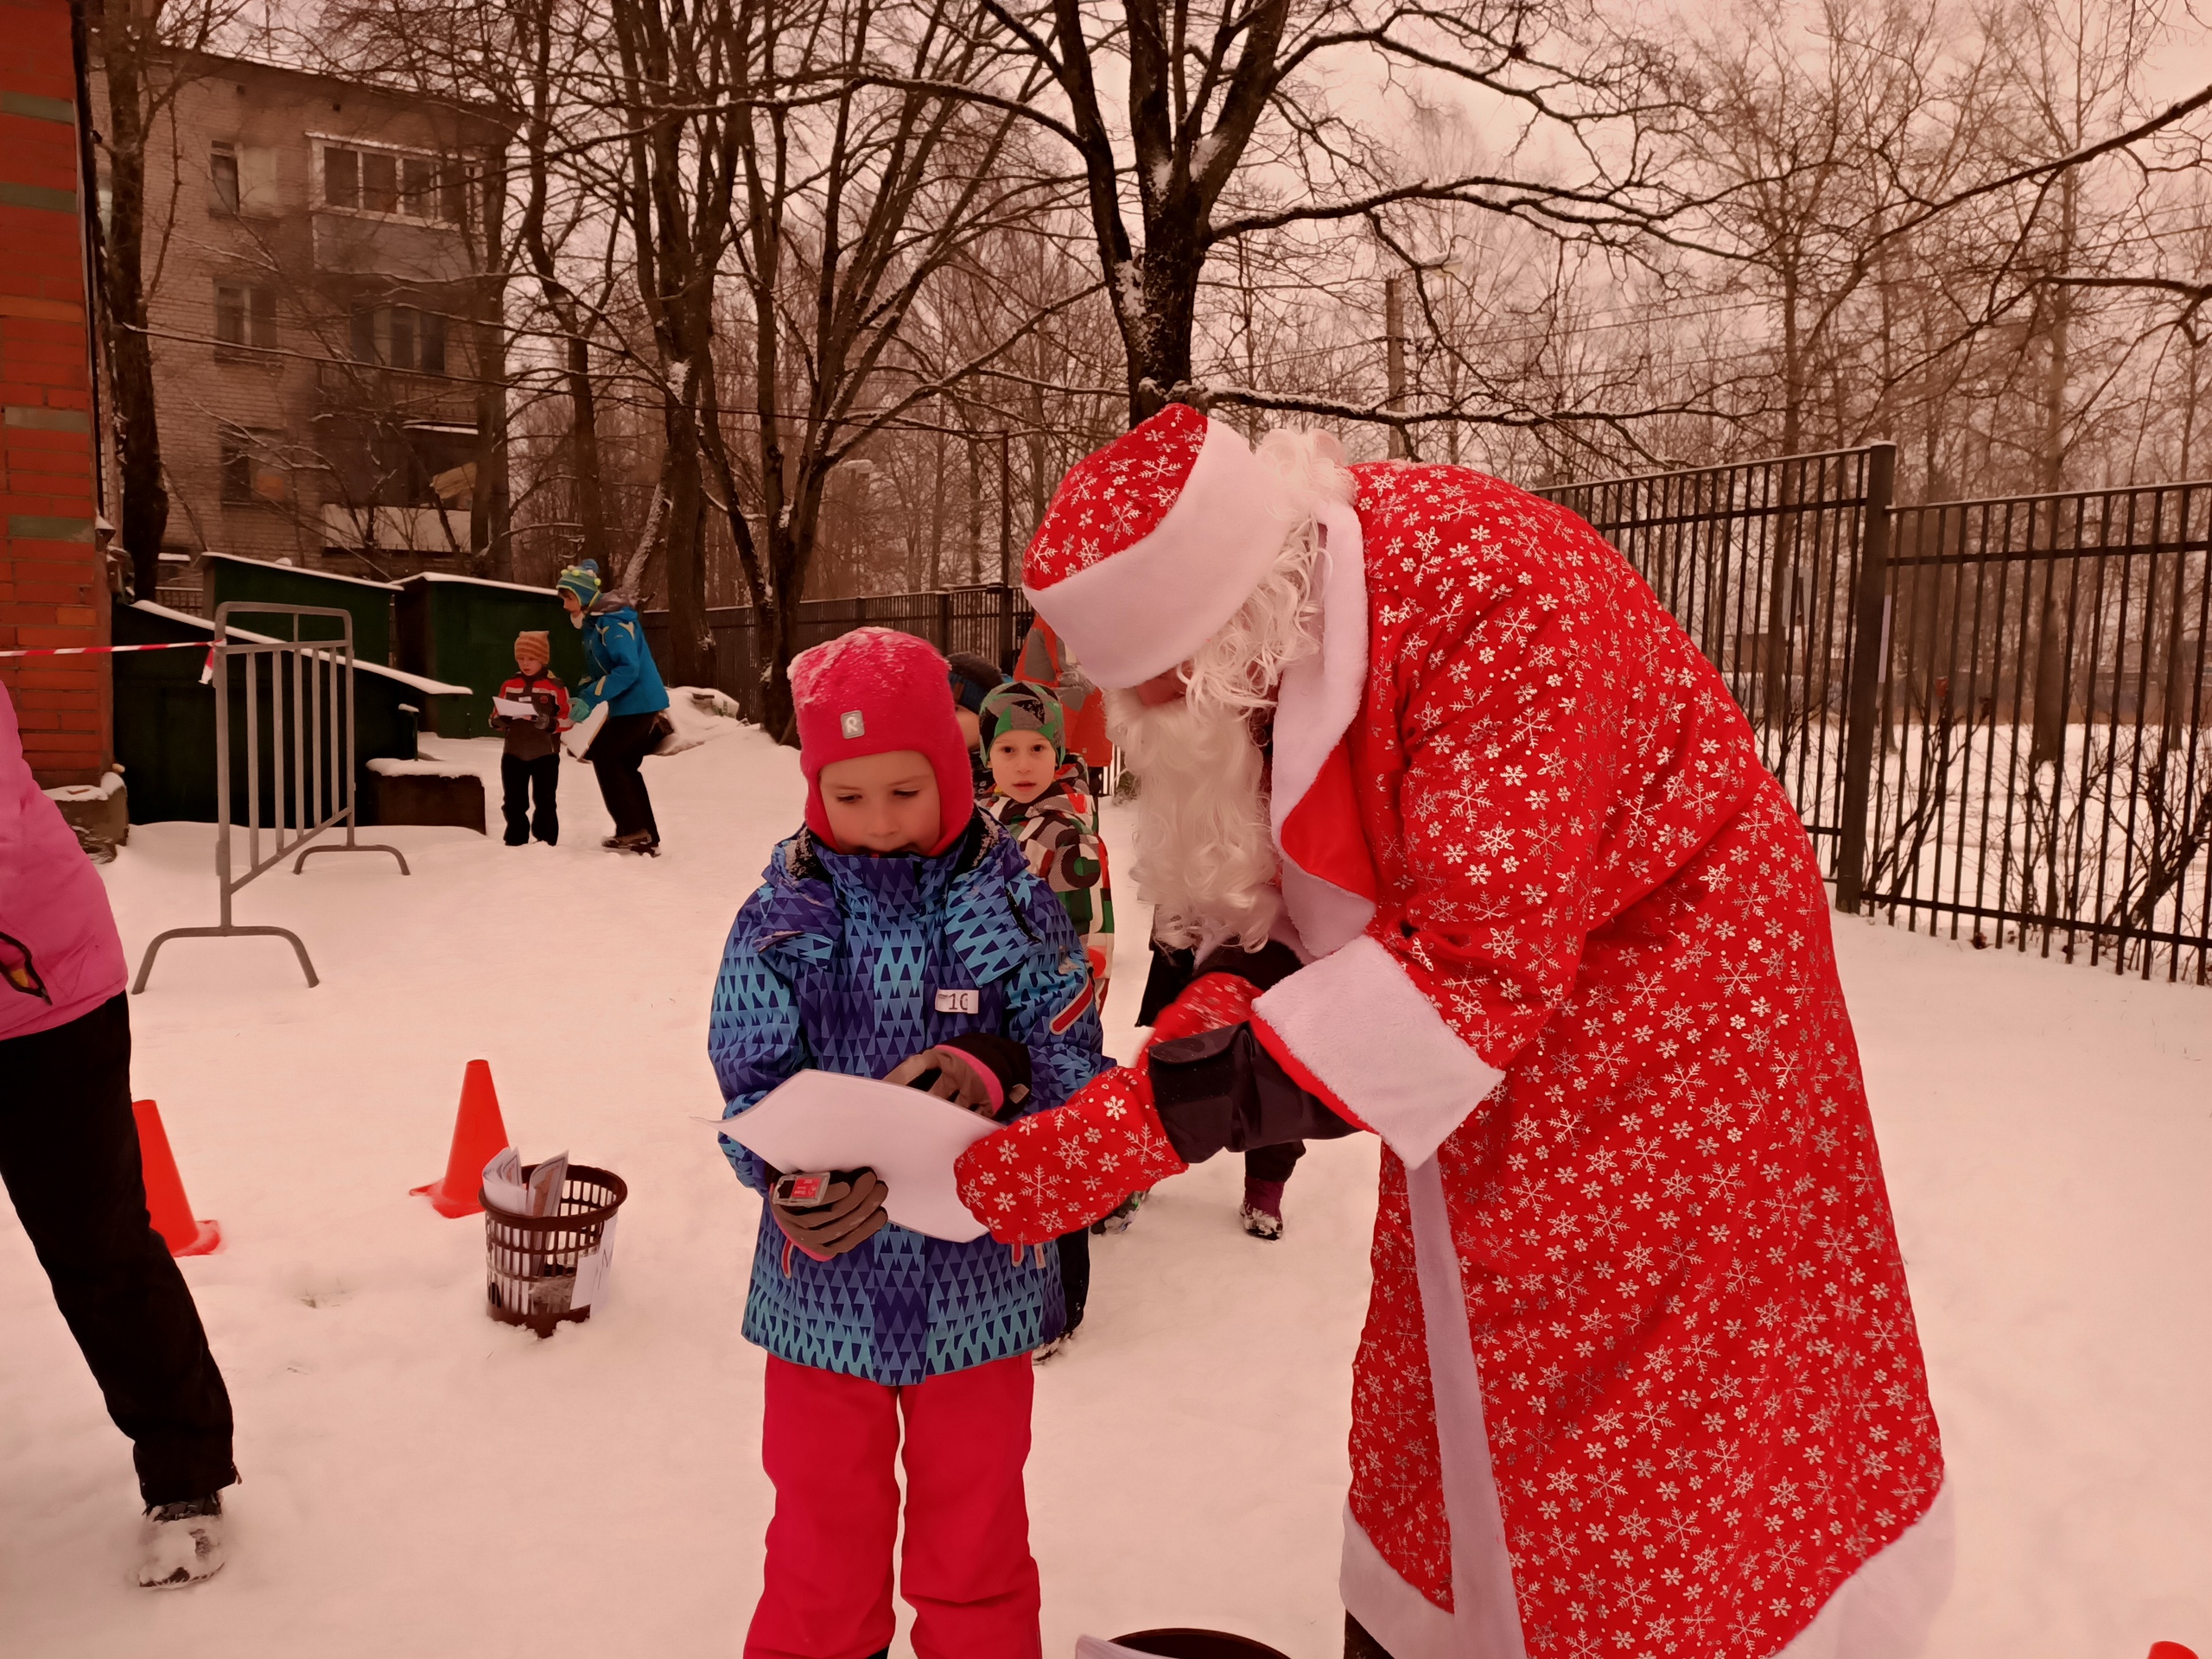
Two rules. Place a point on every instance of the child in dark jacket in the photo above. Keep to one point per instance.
(532, 762)
(899, 933)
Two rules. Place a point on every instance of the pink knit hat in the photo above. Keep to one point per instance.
(874, 691)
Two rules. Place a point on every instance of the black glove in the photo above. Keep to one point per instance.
(1265, 968)
(1221, 1090)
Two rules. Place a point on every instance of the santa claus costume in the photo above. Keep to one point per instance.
(1639, 1376)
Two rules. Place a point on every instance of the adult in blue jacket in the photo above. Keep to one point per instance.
(619, 675)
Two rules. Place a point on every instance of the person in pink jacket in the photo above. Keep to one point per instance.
(69, 1155)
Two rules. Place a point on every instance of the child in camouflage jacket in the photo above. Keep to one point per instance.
(1039, 797)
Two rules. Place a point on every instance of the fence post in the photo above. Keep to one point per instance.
(944, 623)
(1868, 593)
(1006, 510)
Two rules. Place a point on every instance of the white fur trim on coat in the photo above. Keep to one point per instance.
(1319, 698)
(1356, 1022)
(1138, 612)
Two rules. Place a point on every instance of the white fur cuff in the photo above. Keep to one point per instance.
(1358, 1022)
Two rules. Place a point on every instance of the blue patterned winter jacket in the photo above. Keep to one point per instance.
(835, 963)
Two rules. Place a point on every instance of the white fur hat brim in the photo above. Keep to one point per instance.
(1140, 612)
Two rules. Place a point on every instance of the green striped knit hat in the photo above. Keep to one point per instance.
(582, 580)
(1018, 706)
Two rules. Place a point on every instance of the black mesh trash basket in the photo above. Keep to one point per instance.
(1196, 1645)
(543, 1270)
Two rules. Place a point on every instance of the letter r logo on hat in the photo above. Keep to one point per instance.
(851, 724)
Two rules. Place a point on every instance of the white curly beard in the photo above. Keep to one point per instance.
(1204, 856)
(1206, 853)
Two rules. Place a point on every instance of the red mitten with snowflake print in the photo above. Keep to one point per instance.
(1049, 1174)
(1208, 1003)
(1053, 1172)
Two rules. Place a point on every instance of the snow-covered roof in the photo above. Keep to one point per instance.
(436, 687)
(320, 576)
(485, 581)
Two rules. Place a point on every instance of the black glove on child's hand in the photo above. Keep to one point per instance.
(850, 1215)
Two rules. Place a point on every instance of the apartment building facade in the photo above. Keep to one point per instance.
(327, 343)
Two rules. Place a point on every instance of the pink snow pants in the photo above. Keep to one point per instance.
(828, 1443)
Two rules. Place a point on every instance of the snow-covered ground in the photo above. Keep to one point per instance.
(421, 1481)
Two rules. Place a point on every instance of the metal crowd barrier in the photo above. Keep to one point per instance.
(309, 767)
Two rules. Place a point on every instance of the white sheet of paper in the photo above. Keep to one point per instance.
(592, 1270)
(514, 709)
(824, 1120)
(578, 738)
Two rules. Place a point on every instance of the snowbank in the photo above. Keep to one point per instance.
(700, 714)
(105, 790)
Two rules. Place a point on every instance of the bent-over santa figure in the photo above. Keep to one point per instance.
(1479, 855)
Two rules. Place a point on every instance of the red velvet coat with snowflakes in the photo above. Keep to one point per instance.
(1653, 1377)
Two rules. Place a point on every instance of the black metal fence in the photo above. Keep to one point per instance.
(987, 622)
(2043, 768)
(2023, 753)
(1760, 563)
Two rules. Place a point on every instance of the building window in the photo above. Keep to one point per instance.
(399, 337)
(222, 180)
(245, 316)
(380, 182)
(241, 179)
(341, 177)
(388, 181)
(252, 476)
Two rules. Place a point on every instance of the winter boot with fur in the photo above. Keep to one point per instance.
(1262, 1211)
(182, 1543)
(1124, 1213)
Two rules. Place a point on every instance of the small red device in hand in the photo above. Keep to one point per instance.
(803, 1191)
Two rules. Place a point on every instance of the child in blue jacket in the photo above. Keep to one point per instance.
(619, 674)
(900, 932)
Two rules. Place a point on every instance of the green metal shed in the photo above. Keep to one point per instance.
(462, 629)
(232, 577)
(165, 718)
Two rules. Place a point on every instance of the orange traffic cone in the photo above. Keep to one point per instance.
(479, 1135)
(170, 1210)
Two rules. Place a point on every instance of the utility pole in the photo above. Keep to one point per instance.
(1393, 344)
(1006, 510)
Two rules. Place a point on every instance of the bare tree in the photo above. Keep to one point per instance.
(144, 51)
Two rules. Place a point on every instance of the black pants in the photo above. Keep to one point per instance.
(1273, 1163)
(1075, 1274)
(520, 780)
(616, 754)
(1358, 1645)
(69, 1154)
(1170, 975)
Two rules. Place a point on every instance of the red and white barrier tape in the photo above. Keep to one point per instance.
(102, 650)
(207, 669)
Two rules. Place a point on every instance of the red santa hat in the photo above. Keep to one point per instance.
(875, 691)
(1152, 543)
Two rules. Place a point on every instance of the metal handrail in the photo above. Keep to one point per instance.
(321, 773)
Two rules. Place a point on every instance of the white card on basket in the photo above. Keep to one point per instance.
(825, 1119)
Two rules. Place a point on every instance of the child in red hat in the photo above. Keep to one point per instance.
(899, 935)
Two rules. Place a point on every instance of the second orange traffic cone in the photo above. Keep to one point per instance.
(166, 1205)
(479, 1135)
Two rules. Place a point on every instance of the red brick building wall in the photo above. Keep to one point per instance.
(53, 589)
